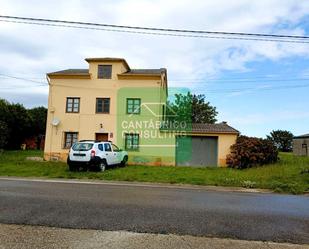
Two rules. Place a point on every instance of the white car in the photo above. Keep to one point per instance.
(89, 154)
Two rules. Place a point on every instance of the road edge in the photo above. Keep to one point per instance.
(141, 184)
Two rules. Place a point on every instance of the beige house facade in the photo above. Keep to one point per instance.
(110, 101)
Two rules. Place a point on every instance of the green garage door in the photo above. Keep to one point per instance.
(196, 151)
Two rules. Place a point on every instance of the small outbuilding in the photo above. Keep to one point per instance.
(206, 145)
(300, 145)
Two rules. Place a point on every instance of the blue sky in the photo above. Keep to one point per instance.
(256, 86)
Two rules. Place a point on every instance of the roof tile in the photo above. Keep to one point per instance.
(213, 128)
(71, 71)
(146, 71)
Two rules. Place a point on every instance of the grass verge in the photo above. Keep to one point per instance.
(289, 175)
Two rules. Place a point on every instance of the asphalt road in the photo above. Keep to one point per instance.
(156, 209)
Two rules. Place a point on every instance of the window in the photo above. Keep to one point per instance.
(115, 148)
(100, 146)
(69, 139)
(102, 105)
(107, 147)
(133, 106)
(104, 71)
(72, 105)
(131, 141)
(82, 146)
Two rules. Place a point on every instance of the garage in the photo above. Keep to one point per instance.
(197, 151)
(206, 145)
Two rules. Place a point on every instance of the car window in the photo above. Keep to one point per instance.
(82, 146)
(115, 148)
(107, 147)
(100, 147)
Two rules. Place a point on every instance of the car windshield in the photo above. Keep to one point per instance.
(82, 146)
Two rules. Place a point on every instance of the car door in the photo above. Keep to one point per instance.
(101, 152)
(117, 154)
(109, 154)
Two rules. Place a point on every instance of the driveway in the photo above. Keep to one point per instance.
(156, 209)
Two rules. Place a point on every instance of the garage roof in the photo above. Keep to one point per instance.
(213, 128)
(302, 136)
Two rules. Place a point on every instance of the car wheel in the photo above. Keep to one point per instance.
(102, 166)
(72, 167)
(124, 161)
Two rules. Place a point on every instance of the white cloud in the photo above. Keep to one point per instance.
(266, 117)
(184, 57)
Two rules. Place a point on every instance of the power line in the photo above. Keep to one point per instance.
(223, 81)
(238, 90)
(246, 77)
(161, 34)
(158, 31)
(208, 91)
(235, 89)
(259, 79)
(220, 81)
(25, 79)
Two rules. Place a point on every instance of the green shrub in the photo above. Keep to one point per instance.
(251, 151)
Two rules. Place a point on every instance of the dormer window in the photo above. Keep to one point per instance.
(104, 71)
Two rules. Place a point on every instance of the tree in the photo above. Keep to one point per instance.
(191, 108)
(4, 117)
(3, 134)
(38, 116)
(282, 140)
(21, 123)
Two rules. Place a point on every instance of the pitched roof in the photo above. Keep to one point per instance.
(70, 72)
(131, 72)
(145, 71)
(302, 136)
(213, 128)
(202, 128)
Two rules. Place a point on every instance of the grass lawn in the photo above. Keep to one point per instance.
(289, 175)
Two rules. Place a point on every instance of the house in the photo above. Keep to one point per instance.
(300, 145)
(111, 101)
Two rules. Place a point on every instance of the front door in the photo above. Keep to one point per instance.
(101, 136)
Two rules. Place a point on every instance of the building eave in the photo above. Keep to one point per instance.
(301, 137)
(138, 76)
(69, 76)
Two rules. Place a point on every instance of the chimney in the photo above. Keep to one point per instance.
(224, 122)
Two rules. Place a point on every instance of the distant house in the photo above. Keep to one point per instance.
(300, 145)
(110, 101)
